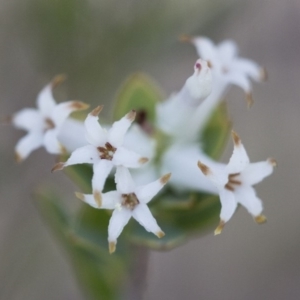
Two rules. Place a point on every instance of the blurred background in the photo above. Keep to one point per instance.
(98, 44)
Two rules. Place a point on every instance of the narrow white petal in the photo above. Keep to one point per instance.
(227, 51)
(117, 222)
(86, 154)
(45, 101)
(101, 169)
(248, 67)
(123, 179)
(118, 130)
(239, 79)
(27, 144)
(109, 200)
(128, 159)
(51, 142)
(256, 172)
(147, 192)
(143, 215)
(29, 119)
(95, 134)
(246, 196)
(228, 203)
(239, 159)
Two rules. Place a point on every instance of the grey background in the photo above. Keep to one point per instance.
(246, 261)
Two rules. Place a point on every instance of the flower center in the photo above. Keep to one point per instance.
(232, 182)
(130, 201)
(107, 152)
(49, 124)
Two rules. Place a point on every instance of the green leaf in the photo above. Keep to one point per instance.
(216, 132)
(99, 273)
(140, 93)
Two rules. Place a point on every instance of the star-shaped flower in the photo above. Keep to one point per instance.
(227, 66)
(128, 201)
(44, 122)
(105, 150)
(234, 183)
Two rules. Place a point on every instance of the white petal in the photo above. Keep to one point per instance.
(143, 215)
(246, 196)
(239, 159)
(127, 158)
(51, 142)
(248, 67)
(147, 192)
(109, 200)
(227, 51)
(95, 134)
(101, 169)
(117, 222)
(86, 154)
(228, 204)
(239, 79)
(27, 144)
(207, 50)
(29, 119)
(256, 172)
(118, 130)
(61, 111)
(123, 179)
(45, 101)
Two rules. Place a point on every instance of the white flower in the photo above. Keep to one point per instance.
(173, 114)
(105, 149)
(227, 66)
(234, 183)
(44, 123)
(128, 201)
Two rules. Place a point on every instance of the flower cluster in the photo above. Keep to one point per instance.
(133, 154)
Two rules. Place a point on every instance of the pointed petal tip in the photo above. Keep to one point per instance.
(131, 115)
(272, 162)
(98, 198)
(18, 157)
(264, 76)
(220, 227)
(96, 111)
(249, 99)
(143, 160)
(80, 196)
(160, 234)
(58, 80)
(78, 105)
(59, 166)
(185, 38)
(164, 179)
(236, 139)
(111, 247)
(260, 219)
(204, 168)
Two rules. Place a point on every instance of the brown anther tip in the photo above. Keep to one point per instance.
(59, 166)
(263, 74)
(58, 80)
(249, 100)
(112, 247)
(160, 234)
(98, 198)
(131, 115)
(165, 178)
(236, 139)
(78, 105)
(209, 64)
(18, 157)
(220, 227)
(185, 38)
(272, 161)
(143, 160)
(80, 196)
(96, 111)
(260, 219)
(205, 169)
